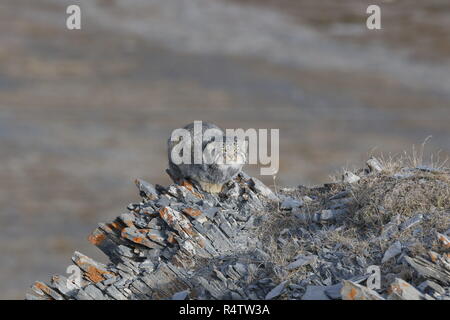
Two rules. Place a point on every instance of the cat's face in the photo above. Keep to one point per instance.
(230, 152)
(234, 153)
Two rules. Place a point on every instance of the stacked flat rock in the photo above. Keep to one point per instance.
(310, 243)
(179, 242)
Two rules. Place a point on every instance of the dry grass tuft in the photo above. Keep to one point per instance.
(406, 187)
(378, 198)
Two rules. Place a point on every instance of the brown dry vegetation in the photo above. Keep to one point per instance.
(398, 193)
(378, 198)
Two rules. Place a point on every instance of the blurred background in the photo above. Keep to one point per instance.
(84, 112)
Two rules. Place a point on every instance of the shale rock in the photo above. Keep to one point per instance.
(247, 242)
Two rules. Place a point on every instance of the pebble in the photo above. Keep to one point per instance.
(275, 292)
(394, 250)
(315, 293)
(411, 222)
(300, 261)
(350, 177)
(290, 203)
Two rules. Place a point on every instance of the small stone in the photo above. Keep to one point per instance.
(127, 219)
(115, 293)
(94, 292)
(290, 203)
(82, 295)
(235, 296)
(332, 214)
(340, 195)
(402, 290)
(428, 169)
(394, 250)
(301, 261)
(411, 222)
(157, 236)
(139, 237)
(163, 202)
(148, 265)
(391, 228)
(211, 212)
(261, 188)
(353, 291)
(146, 189)
(445, 241)
(109, 281)
(350, 177)
(430, 287)
(374, 165)
(429, 269)
(41, 288)
(340, 203)
(196, 214)
(362, 262)
(182, 295)
(315, 293)
(124, 251)
(60, 283)
(275, 292)
(334, 291)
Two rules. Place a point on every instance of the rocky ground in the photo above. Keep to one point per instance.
(249, 242)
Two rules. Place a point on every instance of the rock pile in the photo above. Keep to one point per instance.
(365, 237)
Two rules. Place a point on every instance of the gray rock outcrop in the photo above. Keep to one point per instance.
(248, 242)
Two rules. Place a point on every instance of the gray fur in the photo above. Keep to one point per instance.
(210, 177)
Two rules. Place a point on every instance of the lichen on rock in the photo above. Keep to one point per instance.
(248, 242)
